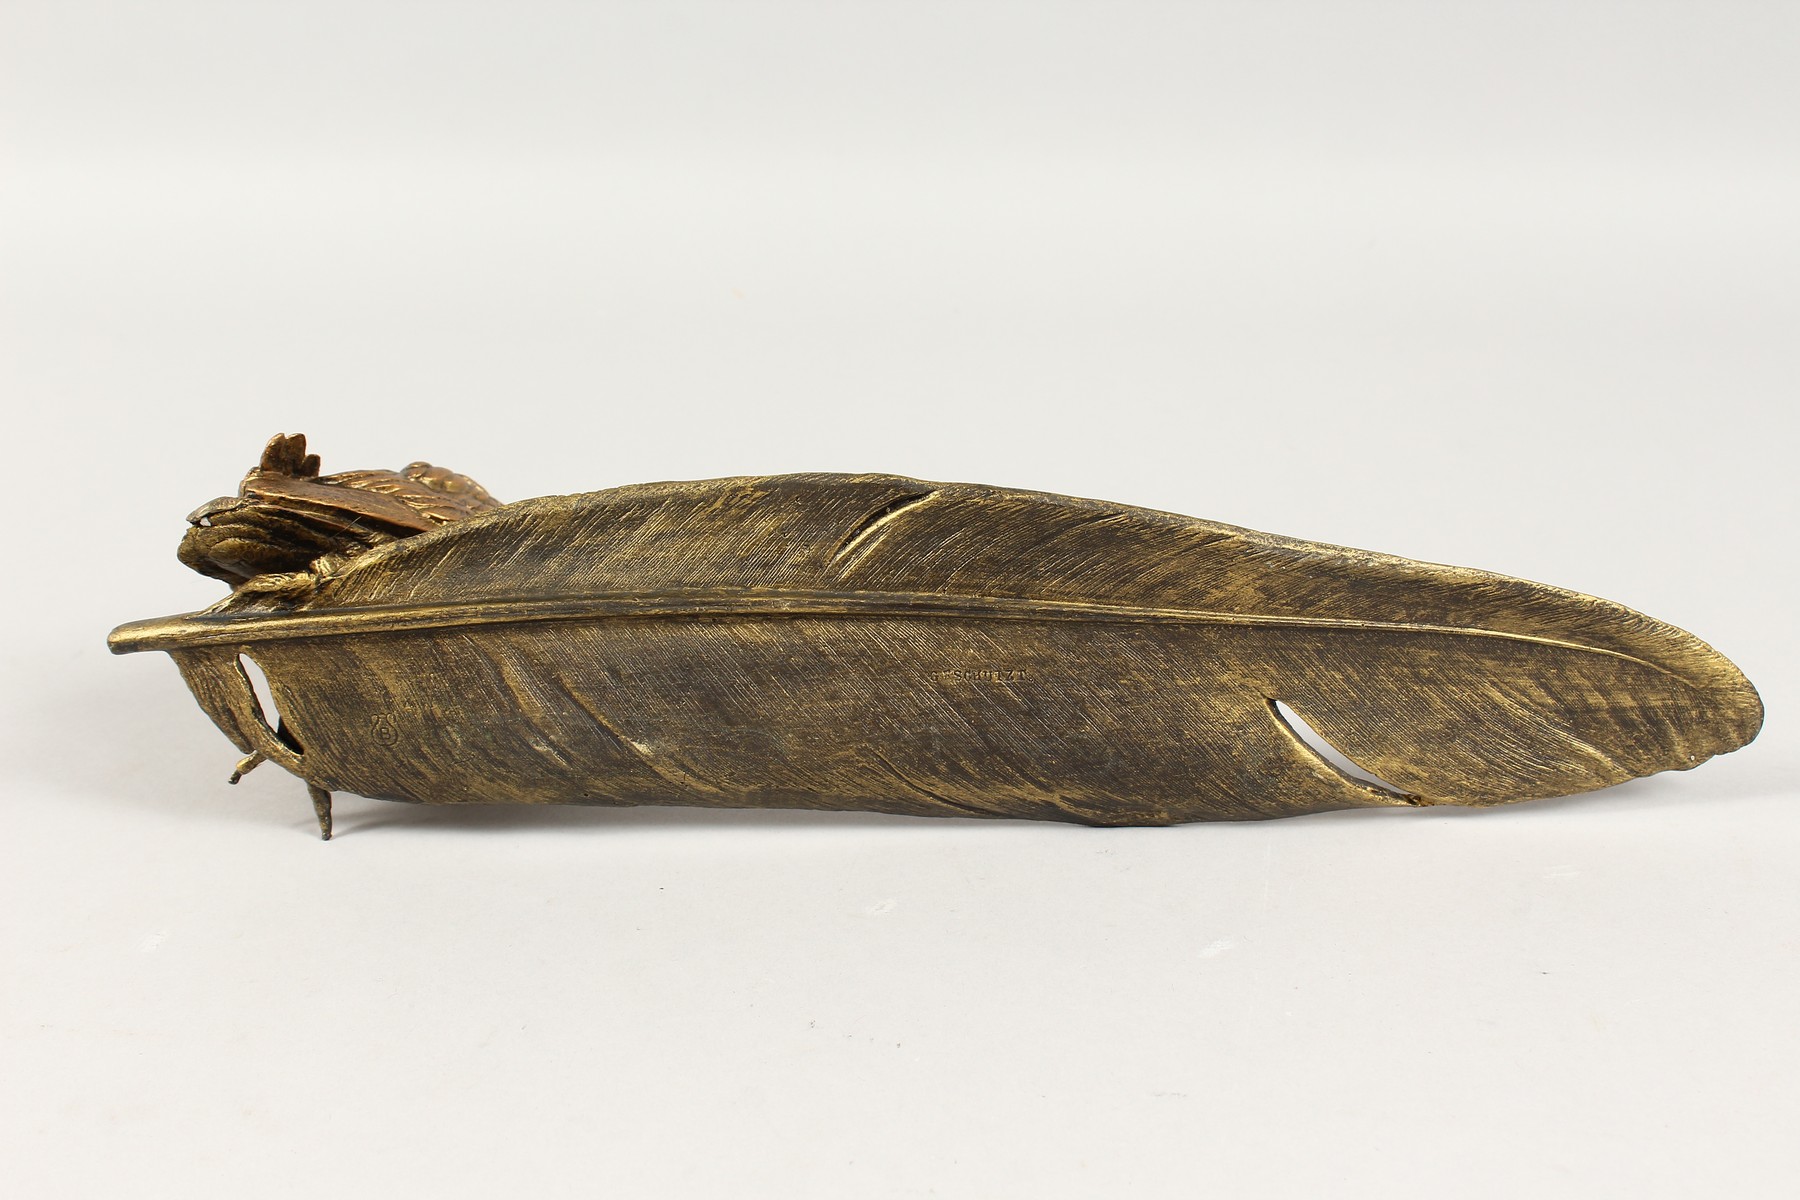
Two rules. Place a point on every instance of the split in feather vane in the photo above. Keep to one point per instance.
(877, 642)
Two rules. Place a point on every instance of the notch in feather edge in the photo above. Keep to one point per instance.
(1460, 686)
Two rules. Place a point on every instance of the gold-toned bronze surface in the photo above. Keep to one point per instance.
(878, 642)
(286, 515)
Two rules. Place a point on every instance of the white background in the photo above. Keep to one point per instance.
(1506, 285)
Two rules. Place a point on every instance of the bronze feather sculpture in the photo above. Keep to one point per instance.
(882, 643)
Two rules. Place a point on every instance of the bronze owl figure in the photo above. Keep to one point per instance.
(286, 515)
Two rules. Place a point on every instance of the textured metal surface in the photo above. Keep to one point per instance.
(884, 643)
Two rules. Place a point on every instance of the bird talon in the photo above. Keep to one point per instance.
(246, 765)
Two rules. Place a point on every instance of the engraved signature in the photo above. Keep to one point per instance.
(980, 675)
